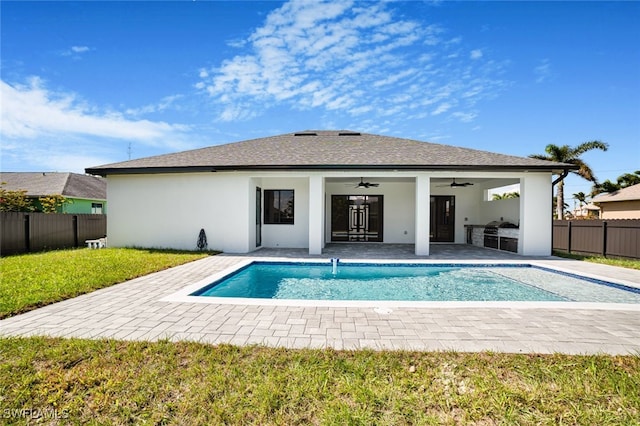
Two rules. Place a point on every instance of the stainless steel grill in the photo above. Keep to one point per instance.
(491, 232)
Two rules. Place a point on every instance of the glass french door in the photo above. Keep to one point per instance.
(356, 218)
(442, 219)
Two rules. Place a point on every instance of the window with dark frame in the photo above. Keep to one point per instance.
(96, 208)
(278, 206)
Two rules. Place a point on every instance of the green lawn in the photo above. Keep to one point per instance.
(114, 382)
(32, 280)
(625, 263)
(76, 381)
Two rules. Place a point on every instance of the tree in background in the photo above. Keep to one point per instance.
(53, 203)
(623, 181)
(506, 196)
(14, 201)
(581, 197)
(567, 154)
(565, 207)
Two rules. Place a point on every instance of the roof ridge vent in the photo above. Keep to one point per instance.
(305, 134)
(349, 134)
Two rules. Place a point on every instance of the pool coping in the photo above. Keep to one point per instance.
(184, 295)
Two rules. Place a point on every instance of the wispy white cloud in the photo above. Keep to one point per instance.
(164, 104)
(80, 49)
(351, 56)
(444, 107)
(76, 52)
(40, 125)
(542, 71)
(31, 111)
(465, 117)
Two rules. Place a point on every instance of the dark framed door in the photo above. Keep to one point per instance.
(356, 218)
(258, 216)
(442, 219)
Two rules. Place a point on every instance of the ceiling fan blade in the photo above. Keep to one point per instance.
(363, 184)
(455, 184)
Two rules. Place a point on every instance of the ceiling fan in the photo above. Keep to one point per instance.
(455, 184)
(364, 184)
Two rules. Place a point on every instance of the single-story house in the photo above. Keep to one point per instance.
(305, 189)
(586, 211)
(621, 204)
(85, 193)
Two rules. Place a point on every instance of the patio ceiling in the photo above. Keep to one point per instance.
(434, 180)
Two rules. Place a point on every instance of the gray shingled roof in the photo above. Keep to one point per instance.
(314, 149)
(71, 185)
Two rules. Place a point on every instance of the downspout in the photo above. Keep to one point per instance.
(563, 175)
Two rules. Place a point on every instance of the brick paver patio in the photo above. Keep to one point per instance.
(134, 311)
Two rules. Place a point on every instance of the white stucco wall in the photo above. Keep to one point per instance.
(506, 210)
(535, 215)
(168, 210)
(285, 235)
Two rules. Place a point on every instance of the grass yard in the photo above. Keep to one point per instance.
(78, 381)
(29, 281)
(115, 382)
(624, 263)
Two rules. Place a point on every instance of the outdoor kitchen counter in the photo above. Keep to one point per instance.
(475, 234)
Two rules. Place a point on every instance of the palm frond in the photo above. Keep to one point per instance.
(588, 146)
(584, 171)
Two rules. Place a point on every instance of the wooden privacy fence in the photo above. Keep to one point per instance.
(25, 232)
(619, 238)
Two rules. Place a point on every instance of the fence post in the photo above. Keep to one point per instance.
(27, 234)
(568, 236)
(604, 238)
(75, 230)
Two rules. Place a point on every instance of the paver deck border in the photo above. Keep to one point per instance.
(136, 310)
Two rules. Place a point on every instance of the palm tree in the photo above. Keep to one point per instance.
(629, 179)
(554, 213)
(623, 181)
(581, 197)
(567, 154)
(606, 186)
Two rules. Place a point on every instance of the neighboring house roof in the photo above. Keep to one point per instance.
(629, 193)
(336, 149)
(71, 185)
(590, 206)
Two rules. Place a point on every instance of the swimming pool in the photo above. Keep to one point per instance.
(412, 282)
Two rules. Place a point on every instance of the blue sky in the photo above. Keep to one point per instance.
(89, 83)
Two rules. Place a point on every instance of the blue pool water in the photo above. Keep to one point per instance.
(413, 283)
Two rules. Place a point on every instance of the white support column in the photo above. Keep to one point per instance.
(316, 214)
(536, 219)
(423, 206)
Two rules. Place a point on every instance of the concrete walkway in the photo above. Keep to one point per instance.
(134, 311)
